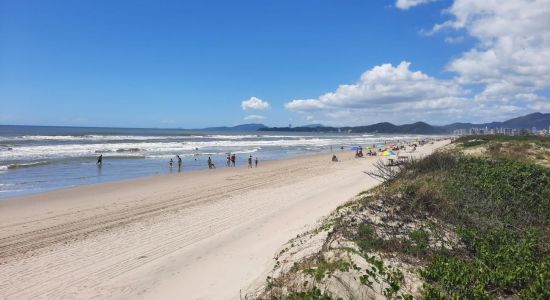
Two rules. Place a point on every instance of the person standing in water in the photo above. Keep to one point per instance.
(210, 164)
(99, 160)
(233, 158)
(171, 163)
(250, 161)
(229, 159)
(179, 163)
(256, 161)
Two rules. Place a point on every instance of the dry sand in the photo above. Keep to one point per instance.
(200, 235)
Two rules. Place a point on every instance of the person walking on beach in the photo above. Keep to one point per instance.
(179, 163)
(256, 161)
(233, 158)
(210, 164)
(99, 160)
(229, 159)
(250, 162)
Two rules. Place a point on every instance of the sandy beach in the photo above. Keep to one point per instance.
(200, 235)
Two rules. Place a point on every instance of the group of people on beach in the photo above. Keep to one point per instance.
(250, 162)
(180, 162)
(375, 150)
(231, 161)
(253, 162)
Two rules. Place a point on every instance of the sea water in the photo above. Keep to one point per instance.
(41, 158)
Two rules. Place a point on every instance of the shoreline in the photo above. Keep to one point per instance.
(45, 164)
(136, 180)
(203, 234)
(167, 174)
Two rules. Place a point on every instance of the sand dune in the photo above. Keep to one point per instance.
(200, 235)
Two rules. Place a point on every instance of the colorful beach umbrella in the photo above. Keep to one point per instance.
(389, 153)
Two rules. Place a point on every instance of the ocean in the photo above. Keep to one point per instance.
(35, 159)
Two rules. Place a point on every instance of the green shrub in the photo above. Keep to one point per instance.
(326, 268)
(501, 263)
(312, 294)
(367, 239)
(480, 192)
(473, 143)
(502, 206)
(418, 242)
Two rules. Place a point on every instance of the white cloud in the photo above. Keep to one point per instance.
(383, 85)
(387, 93)
(254, 118)
(303, 105)
(255, 103)
(512, 56)
(508, 67)
(406, 4)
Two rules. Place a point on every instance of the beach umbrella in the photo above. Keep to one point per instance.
(355, 148)
(389, 153)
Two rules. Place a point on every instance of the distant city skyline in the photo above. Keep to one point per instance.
(191, 64)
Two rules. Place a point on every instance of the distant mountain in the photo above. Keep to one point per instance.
(385, 127)
(242, 127)
(538, 120)
(313, 125)
(421, 128)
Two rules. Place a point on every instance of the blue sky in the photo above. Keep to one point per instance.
(192, 63)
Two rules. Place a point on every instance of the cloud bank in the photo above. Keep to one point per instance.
(512, 57)
(383, 85)
(382, 90)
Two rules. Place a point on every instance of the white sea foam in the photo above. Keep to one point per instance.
(169, 146)
(94, 138)
(10, 191)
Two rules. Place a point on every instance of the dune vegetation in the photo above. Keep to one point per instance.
(469, 222)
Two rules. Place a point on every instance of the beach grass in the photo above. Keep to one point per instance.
(474, 226)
